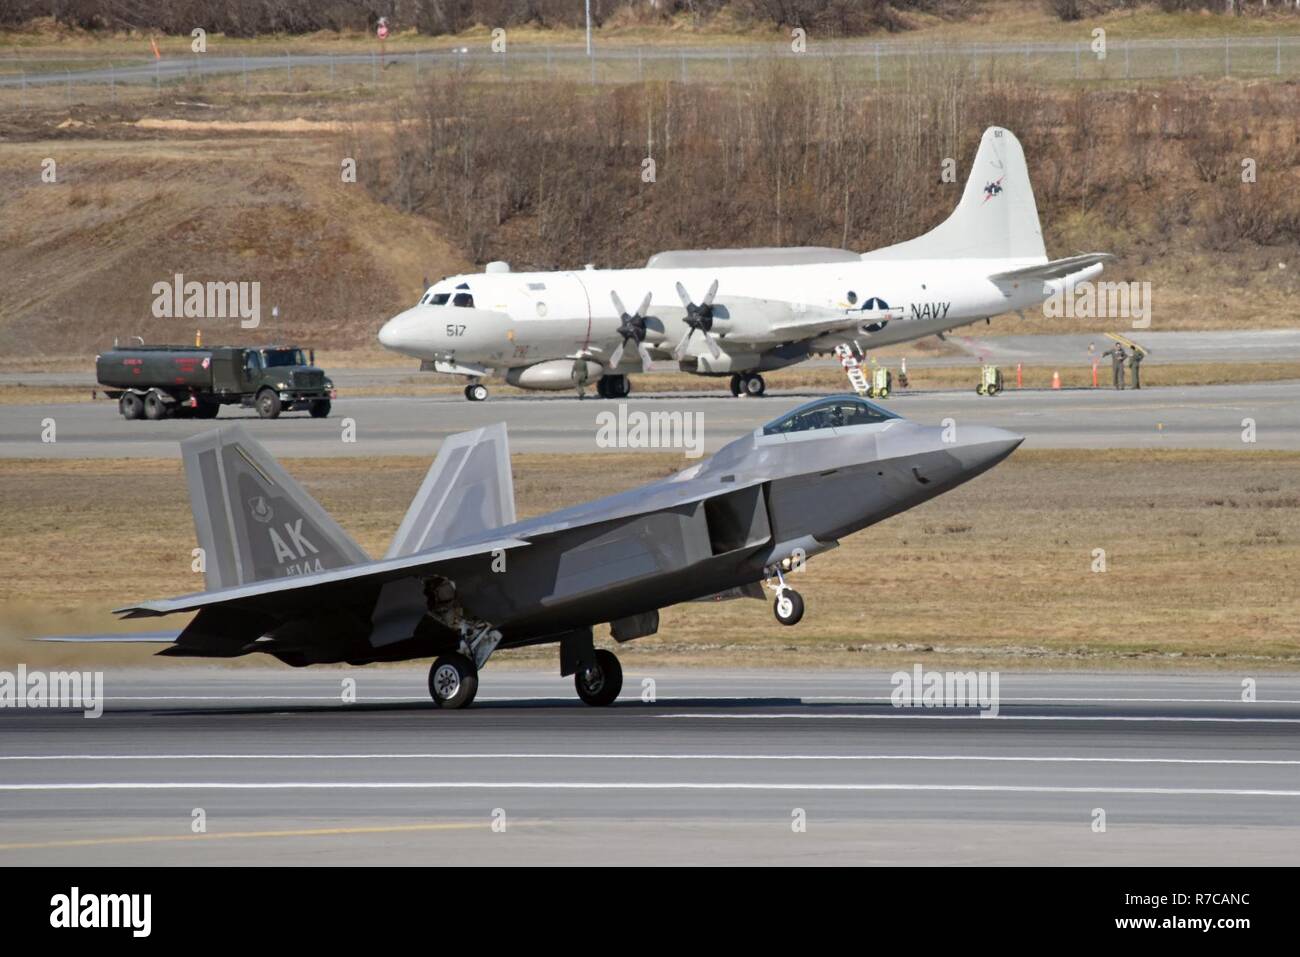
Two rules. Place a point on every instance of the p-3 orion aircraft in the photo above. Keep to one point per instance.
(463, 578)
(742, 312)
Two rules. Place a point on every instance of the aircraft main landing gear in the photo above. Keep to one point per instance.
(453, 681)
(600, 684)
(476, 392)
(613, 387)
(748, 383)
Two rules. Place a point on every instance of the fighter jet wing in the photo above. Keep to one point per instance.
(302, 586)
(1056, 269)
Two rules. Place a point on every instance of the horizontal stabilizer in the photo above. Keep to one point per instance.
(468, 490)
(1056, 269)
(137, 638)
(253, 520)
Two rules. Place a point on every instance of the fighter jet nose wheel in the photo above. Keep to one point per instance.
(788, 607)
(453, 681)
(601, 684)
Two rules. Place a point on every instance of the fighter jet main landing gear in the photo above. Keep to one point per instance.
(600, 684)
(476, 392)
(748, 383)
(453, 681)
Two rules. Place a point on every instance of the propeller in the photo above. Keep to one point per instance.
(631, 327)
(698, 316)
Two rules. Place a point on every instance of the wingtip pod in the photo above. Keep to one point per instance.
(997, 217)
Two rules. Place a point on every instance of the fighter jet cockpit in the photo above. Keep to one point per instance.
(831, 413)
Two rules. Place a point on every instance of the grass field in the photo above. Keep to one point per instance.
(1202, 555)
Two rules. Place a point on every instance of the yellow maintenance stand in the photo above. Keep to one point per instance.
(990, 381)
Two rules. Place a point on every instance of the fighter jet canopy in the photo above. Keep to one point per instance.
(836, 411)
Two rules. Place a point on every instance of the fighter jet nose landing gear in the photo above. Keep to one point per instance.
(788, 606)
(600, 684)
(453, 681)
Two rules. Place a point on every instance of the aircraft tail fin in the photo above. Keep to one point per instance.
(997, 217)
(254, 522)
(468, 489)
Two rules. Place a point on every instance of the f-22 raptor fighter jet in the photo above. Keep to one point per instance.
(463, 578)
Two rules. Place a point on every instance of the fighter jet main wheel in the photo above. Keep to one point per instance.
(476, 393)
(754, 385)
(788, 607)
(600, 685)
(453, 681)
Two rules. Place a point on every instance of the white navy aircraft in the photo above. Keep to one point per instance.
(742, 312)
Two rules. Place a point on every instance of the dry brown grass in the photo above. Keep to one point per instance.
(1203, 549)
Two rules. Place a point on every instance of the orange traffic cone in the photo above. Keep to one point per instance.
(1056, 379)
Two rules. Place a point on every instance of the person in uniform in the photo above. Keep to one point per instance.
(1134, 363)
(1117, 356)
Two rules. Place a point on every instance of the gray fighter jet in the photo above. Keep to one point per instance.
(462, 578)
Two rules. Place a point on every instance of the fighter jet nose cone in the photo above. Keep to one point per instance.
(982, 447)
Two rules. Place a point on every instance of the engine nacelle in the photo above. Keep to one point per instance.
(553, 375)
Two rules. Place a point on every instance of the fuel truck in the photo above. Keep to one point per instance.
(159, 382)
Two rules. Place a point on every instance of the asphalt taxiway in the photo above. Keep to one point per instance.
(689, 766)
(1214, 417)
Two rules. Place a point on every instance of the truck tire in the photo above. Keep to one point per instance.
(268, 404)
(320, 408)
(154, 406)
(130, 406)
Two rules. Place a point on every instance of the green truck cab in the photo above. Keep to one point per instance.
(159, 382)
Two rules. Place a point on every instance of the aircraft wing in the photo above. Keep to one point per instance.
(302, 586)
(812, 324)
(1056, 269)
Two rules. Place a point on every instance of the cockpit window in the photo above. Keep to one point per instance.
(439, 299)
(463, 299)
(833, 413)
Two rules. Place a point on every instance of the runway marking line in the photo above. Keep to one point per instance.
(918, 714)
(569, 756)
(830, 699)
(248, 835)
(627, 786)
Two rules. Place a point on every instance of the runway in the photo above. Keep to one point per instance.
(688, 767)
(1172, 417)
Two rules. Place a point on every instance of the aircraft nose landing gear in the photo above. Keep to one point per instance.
(788, 606)
(600, 684)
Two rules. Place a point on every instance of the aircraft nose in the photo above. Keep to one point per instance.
(981, 447)
(401, 333)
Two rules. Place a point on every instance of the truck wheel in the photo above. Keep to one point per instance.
(130, 406)
(320, 408)
(207, 410)
(154, 406)
(268, 404)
